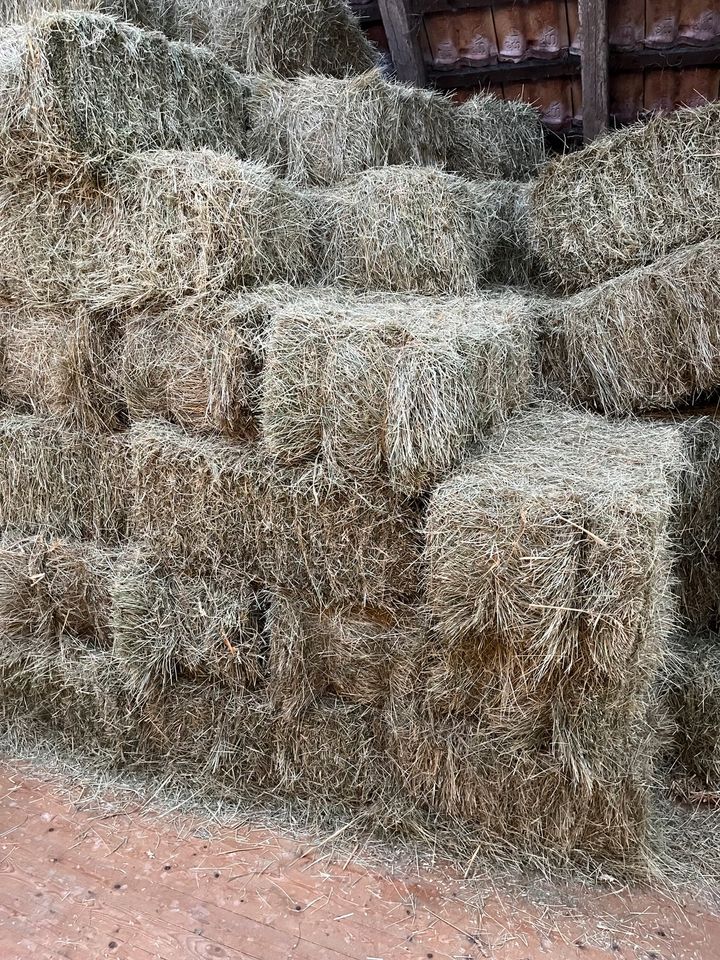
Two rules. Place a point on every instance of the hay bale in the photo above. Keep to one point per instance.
(317, 131)
(514, 802)
(64, 482)
(649, 338)
(351, 651)
(198, 363)
(290, 37)
(164, 15)
(694, 701)
(63, 362)
(549, 583)
(169, 624)
(213, 503)
(629, 198)
(332, 752)
(409, 230)
(207, 736)
(50, 225)
(397, 385)
(191, 223)
(157, 94)
(493, 139)
(555, 540)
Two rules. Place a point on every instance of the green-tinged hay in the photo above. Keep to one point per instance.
(197, 364)
(394, 385)
(553, 544)
(649, 338)
(511, 795)
(63, 362)
(290, 37)
(493, 139)
(409, 230)
(349, 651)
(187, 223)
(333, 751)
(211, 504)
(164, 15)
(694, 701)
(53, 593)
(156, 94)
(64, 482)
(318, 131)
(167, 624)
(629, 198)
(209, 735)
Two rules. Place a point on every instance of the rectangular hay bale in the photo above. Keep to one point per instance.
(211, 503)
(629, 198)
(646, 339)
(62, 481)
(157, 94)
(395, 385)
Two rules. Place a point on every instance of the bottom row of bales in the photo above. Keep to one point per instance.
(504, 659)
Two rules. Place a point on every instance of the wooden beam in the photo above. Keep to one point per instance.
(673, 58)
(449, 6)
(526, 71)
(594, 67)
(402, 33)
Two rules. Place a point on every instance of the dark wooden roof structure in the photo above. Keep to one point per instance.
(587, 64)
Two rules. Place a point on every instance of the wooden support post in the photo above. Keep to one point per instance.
(594, 67)
(401, 31)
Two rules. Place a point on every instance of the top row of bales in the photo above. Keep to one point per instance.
(161, 94)
(281, 37)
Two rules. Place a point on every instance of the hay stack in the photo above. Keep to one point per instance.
(409, 230)
(493, 139)
(291, 37)
(395, 385)
(191, 223)
(649, 338)
(694, 700)
(212, 504)
(198, 364)
(169, 624)
(164, 15)
(317, 130)
(629, 198)
(61, 481)
(549, 581)
(352, 651)
(63, 363)
(157, 94)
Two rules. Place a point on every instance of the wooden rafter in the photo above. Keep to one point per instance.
(594, 67)
(401, 29)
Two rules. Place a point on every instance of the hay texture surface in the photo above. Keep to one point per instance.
(408, 230)
(167, 624)
(63, 362)
(649, 338)
(53, 594)
(62, 481)
(155, 93)
(185, 223)
(356, 652)
(629, 198)
(398, 386)
(493, 139)
(291, 37)
(167, 16)
(694, 690)
(211, 503)
(318, 131)
(197, 364)
(549, 581)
